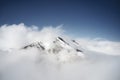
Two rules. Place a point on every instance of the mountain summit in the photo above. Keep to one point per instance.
(59, 47)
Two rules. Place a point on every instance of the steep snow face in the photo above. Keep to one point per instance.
(63, 50)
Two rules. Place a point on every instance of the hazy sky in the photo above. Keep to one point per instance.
(83, 18)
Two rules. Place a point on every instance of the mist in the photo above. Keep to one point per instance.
(101, 59)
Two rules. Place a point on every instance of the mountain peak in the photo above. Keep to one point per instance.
(58, 47)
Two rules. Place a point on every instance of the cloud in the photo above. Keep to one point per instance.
(101, 45)
(101, 60)
(15, 36)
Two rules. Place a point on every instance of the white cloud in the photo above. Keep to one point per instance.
(15, 36)
(101, 45)
(101, 56)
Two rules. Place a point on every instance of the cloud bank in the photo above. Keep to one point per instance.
(101, 62)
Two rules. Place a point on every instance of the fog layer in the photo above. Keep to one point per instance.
(101, 57)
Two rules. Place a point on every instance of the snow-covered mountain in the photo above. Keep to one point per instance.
(69, 49)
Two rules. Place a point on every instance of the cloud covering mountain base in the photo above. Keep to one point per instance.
(101, 59)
